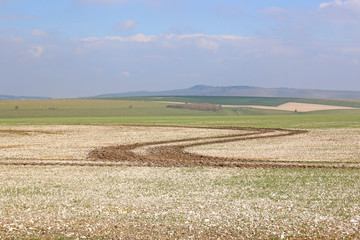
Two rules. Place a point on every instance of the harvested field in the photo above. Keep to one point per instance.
(294, 106)
(93, 182)
(43, 202)
(167, 146)
(330, 145)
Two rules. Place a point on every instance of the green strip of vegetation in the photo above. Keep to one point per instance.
(277, 121)
(105, 111)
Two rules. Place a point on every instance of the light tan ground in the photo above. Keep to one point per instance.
(292, 106)
(52, 202)
(75, 142)
(38, 202)
(330, 145)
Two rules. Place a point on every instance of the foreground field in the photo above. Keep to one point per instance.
(168, 203)
(66, 193)
(79, 169)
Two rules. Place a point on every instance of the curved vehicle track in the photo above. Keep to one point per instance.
(172, 153)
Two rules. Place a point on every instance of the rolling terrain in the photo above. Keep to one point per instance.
(134, 169)
(202, 90)
(157, 106)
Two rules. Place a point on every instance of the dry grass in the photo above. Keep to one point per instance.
(168, 203)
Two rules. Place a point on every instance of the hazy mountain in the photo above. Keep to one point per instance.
(202, 90)
(10, 97)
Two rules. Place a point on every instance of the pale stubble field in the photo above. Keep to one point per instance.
(175, 202)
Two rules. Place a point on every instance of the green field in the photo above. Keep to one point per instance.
(277, 121)
(105, 108)
(145, 111)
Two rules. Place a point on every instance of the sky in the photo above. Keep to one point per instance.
(79, 48)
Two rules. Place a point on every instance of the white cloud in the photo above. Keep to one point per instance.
(334, 3)
(168, 37)
(200, 35)
(135, 38)
(171, 41)
(90, 39)
(140, 38)
(340, 3)
(340, 12)
(208, 44)
(36, 51)
(127, 25)
(38, 33)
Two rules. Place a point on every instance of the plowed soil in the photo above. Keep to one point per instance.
(171, 152)
(161, 154)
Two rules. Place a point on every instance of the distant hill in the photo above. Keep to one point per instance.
(202, 90)
(10, 97)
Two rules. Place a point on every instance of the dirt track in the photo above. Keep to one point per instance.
(174, 152)
(161, 154)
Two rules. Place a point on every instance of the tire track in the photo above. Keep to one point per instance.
(161, 154)
(172, 153)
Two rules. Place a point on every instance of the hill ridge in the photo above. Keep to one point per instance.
(245, 91)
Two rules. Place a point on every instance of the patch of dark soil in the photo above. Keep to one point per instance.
(171, 153)
(27, 132)
(197, 106)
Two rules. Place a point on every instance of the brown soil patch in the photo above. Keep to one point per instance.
(197, 106)
(10, 146)
(160, 155)
(25, 132)
(168, 151)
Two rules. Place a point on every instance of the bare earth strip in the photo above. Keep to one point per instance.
(292, 106)
(289, 106)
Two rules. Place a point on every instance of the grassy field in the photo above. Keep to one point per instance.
(107, 202)
(146, 107)
(57, 108)
(100, 111)
(276, 121)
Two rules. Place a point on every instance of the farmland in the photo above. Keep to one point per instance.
(98, 168)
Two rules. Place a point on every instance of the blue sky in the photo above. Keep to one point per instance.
(74, 48)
